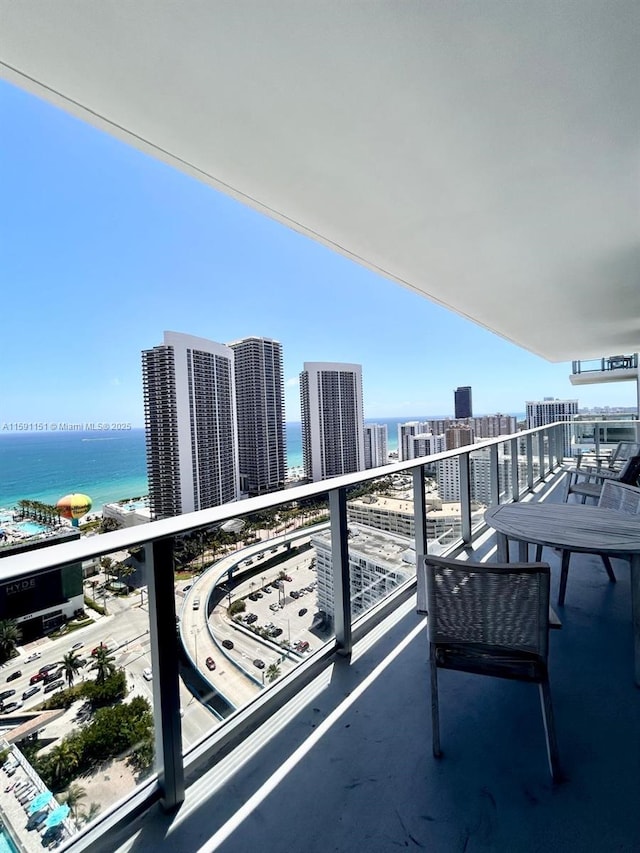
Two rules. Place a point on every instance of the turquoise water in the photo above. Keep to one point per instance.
(6, 844)
(45, 466)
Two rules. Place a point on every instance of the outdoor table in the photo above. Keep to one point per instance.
(575, 528)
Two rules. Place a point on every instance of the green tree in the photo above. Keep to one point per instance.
(10, 636)
(103, 663)
(63, 760)
(73, 795)
(273, 671)
(88, 816)
(71, 663)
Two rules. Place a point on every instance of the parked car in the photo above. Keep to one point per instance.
(55, 685)
(187, 587)
(252, 596)
(12, 706)
(259, 663)
(33, 656)
(52, 676)
(14, 675)
(276, 632)
(251, 617)
(6, 693)
(267, 589)
(37, 677)
(274, 607)
(211, 664)
(76, 646)
(196, 604)
(287, 578)
(294, 594)
(302, 611)
(147, 674)
(101, 646)
(48, 667)
(30, 691)
(228, 644)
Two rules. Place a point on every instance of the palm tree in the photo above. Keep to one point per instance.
(74, 794)
(10, 636)
(71, 663)
(103, 664)
(273, 671)
(64, 760)
(88, 816)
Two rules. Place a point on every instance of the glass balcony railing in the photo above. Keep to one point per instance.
(602, 365)
(235, 608)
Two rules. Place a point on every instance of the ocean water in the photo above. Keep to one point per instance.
(45, 466)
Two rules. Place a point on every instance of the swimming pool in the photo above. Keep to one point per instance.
(6, 844)
(30, 527)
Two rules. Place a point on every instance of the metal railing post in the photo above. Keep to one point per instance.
(420, 536)
(529, 445)
(340, 570)
(465, 497)
(494, 477)
(541, 454)
(164, 662)
(515, 470)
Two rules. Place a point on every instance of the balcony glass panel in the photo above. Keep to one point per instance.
(380, 517)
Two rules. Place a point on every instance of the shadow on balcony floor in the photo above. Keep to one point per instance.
(349, 766)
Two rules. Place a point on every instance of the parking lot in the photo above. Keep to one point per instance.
(282, 608)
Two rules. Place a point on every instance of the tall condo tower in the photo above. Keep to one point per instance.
(260, 412)
(190, 425)
(548, 410)
(332, 419)
(462, 401)
(376, 440)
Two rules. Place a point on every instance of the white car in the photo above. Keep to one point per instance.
(147, 674)
(33, 656)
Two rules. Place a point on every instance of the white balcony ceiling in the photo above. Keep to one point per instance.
(482, 153)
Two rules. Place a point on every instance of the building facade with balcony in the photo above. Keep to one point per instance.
(190, 425)
(332, 419)
(259, 386)
(376, 450)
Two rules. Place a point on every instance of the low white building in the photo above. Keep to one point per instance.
(128, 513)
(378, 562)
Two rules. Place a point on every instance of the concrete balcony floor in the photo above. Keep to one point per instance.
(348, 765)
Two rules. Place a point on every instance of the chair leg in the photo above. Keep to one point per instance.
(564, 574)
(435, 714)
(608, 567)
(553, 754)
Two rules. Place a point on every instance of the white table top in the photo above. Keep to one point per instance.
(575, 527)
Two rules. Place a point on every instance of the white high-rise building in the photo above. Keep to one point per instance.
(332, 419)
(375, 445)
(425, 444)
(259, 380)
(547, 411)
(190, 424)
(405, 432)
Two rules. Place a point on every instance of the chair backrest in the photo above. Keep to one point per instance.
(625, 450)
(620, 497)
(630, 474)
(491, 604)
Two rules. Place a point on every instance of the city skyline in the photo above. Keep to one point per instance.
(104, 247)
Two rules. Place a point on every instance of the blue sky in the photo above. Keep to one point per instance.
(103, 248)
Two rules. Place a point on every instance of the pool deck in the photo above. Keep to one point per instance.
(14, 815)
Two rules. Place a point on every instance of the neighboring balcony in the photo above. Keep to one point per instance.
(336, 753)
(614, 368)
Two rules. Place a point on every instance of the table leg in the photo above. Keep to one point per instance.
(503, 548)
(635, 613)
(523, 552)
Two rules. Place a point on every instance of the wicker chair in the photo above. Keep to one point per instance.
(490, 619)
(614, 495)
